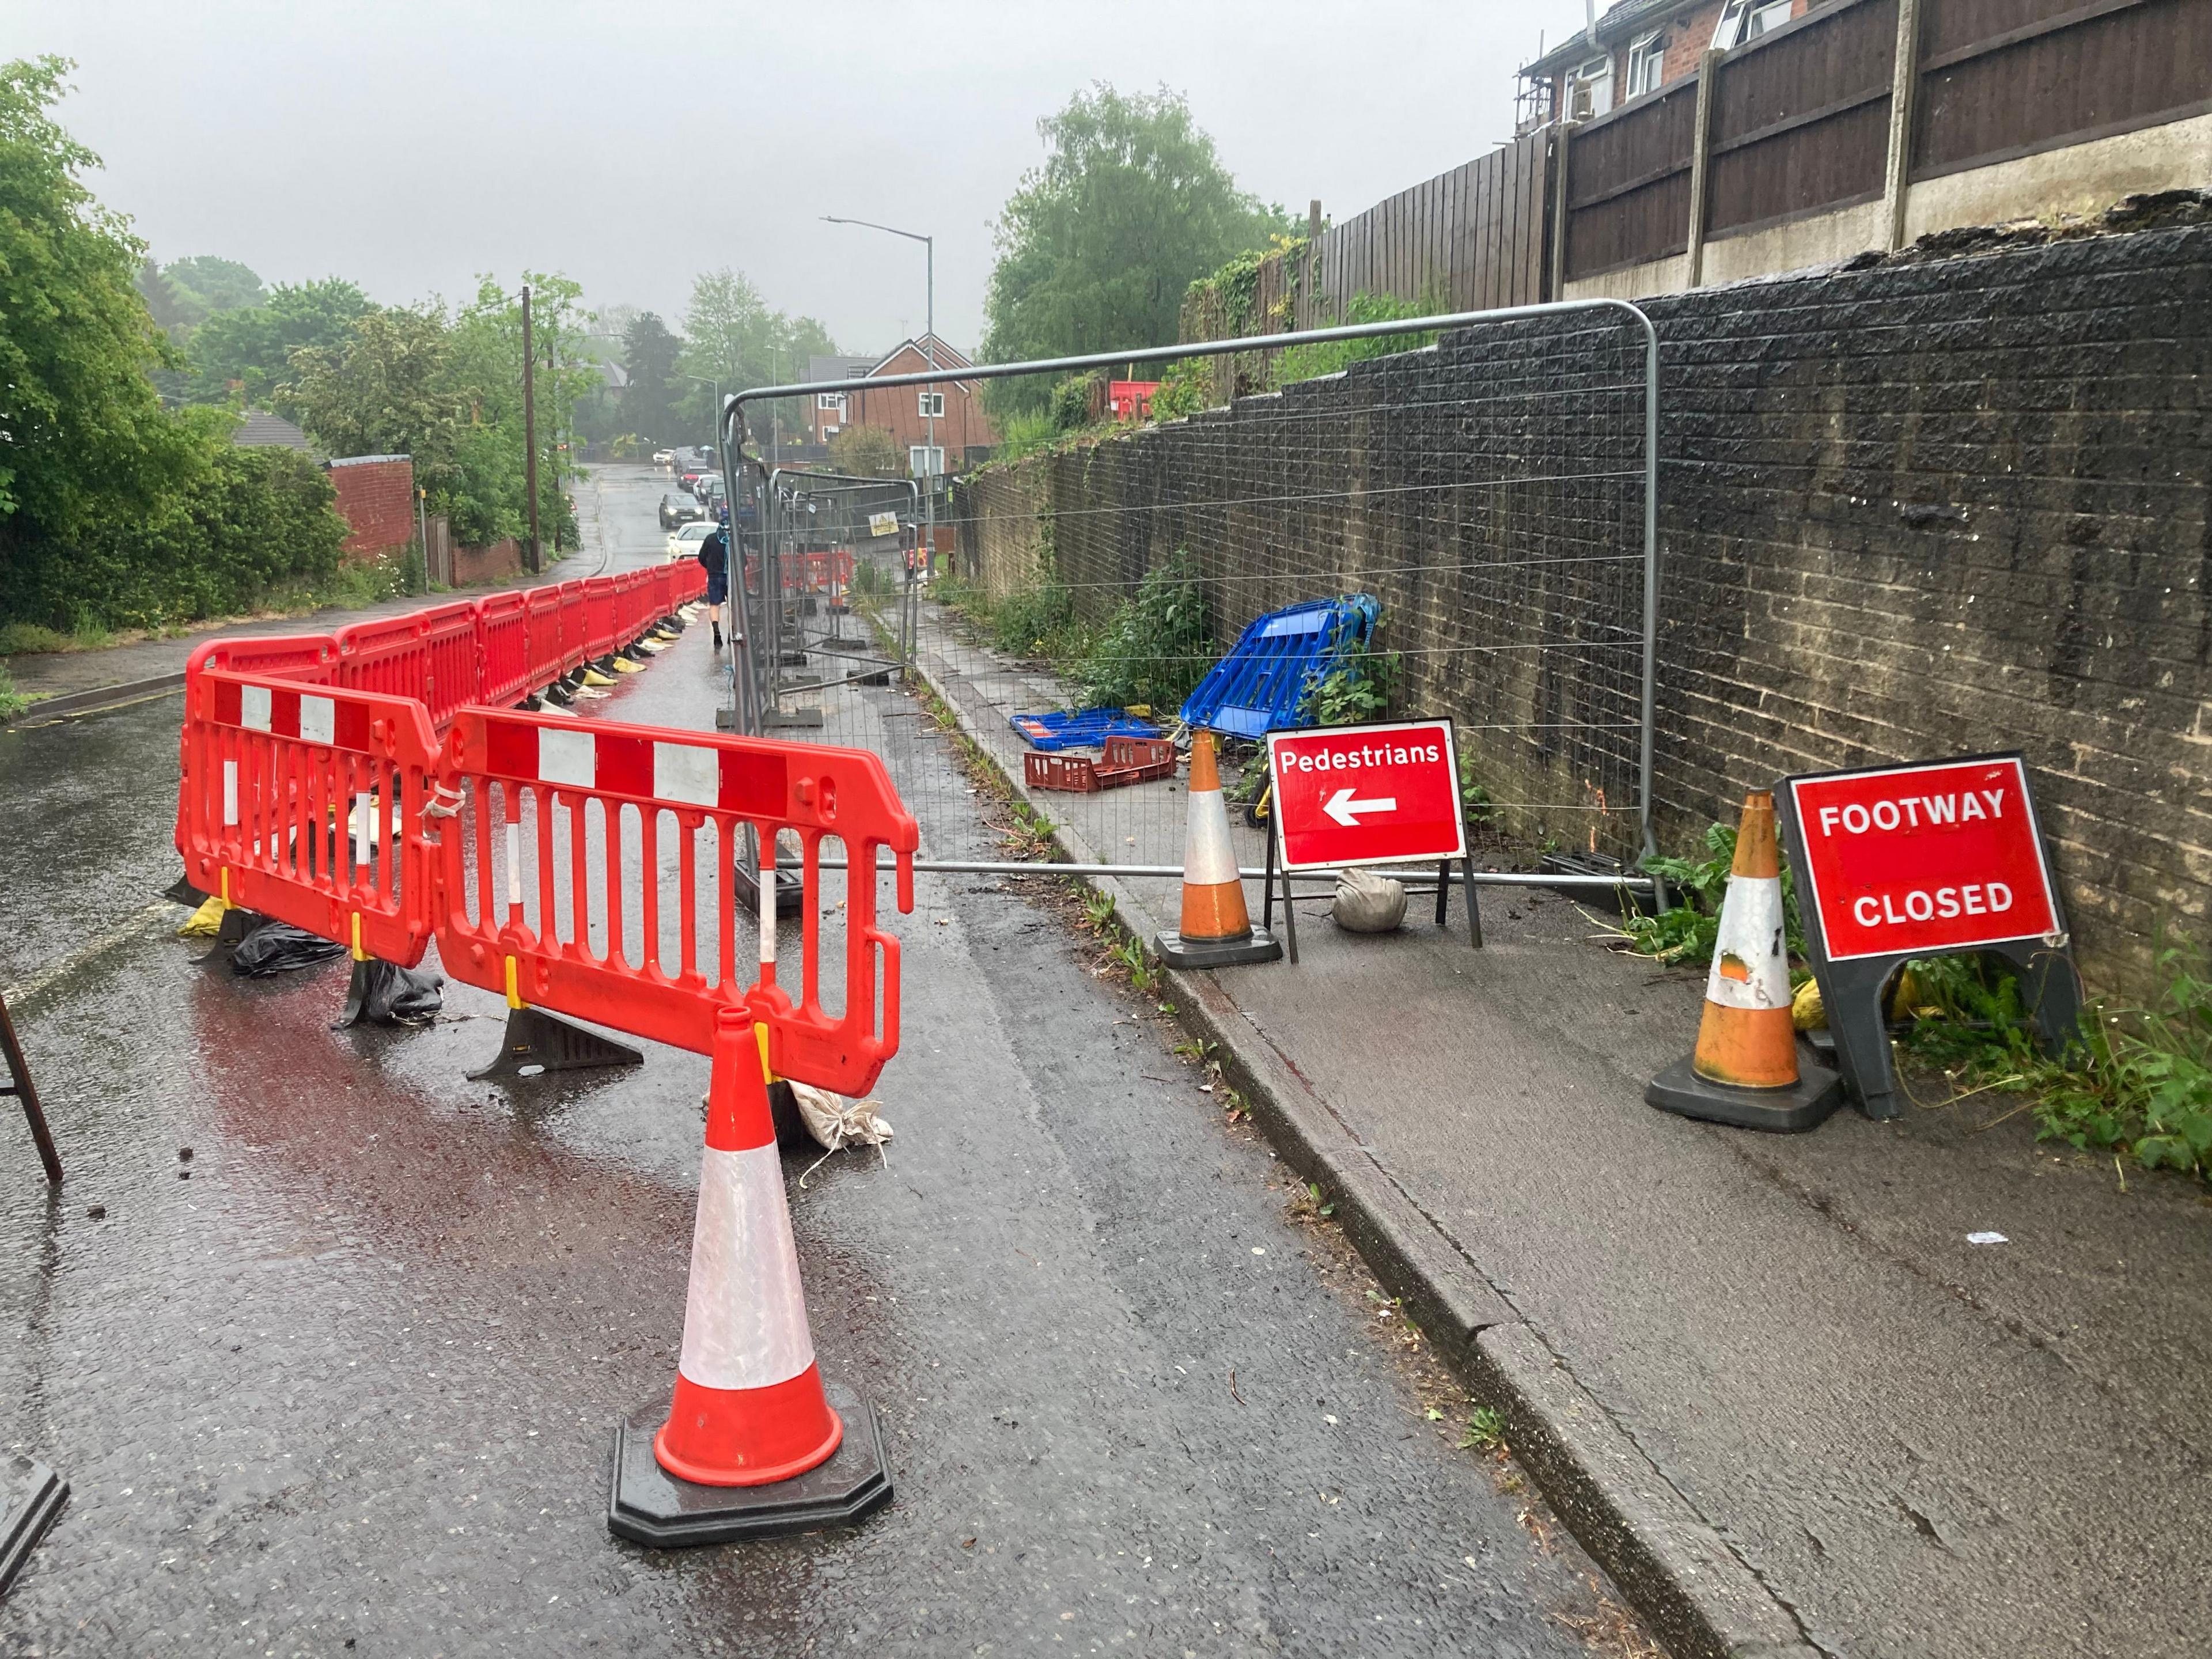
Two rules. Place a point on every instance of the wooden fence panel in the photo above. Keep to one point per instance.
(1801, 117)
(2004, 78)
(1628, 182)
(1461, 240)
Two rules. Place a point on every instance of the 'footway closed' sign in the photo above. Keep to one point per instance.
(1367, 794)
(1943, 856)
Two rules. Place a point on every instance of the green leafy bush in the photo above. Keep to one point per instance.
(1156, 646)
(1039, 621)
(1361, 688)
(1308, 363)
(1685, 933)
(2138, 1083)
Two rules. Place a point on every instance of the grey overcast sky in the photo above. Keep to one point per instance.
(411, 144)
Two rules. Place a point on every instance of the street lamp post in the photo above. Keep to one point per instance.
(929, 355)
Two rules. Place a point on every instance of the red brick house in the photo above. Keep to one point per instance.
(965, 435)
(376, 498)
(1641, 46)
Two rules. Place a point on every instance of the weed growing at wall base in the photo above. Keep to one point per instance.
(2138, 1083)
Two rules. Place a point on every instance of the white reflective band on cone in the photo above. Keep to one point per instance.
(1208, 860)
(744, 1319)
(1751, 963)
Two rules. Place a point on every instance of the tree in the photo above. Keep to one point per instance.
(248, 352)
(79, 424)
(1095, 247)
(388, 390)
(650, 355)
(208, 284)
(112, 510)
(867, 452)
(733, 337)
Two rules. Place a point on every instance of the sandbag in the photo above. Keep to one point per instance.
(206, 922)
(836, 1122)
(277, 947)
(1369, 904)
(384, 993)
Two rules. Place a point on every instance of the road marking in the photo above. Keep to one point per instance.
(1346, 810)
(129, 928)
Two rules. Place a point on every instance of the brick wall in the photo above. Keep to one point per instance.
(1921, 509)
(471, 565)
(376, 498)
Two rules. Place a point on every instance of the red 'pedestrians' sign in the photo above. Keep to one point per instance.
(1943, 856)
(1366, 794)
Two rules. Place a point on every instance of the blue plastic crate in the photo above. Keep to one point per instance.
(1256, 688)
(1088, 729)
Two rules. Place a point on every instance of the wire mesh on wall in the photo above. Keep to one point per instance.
(1487, 489)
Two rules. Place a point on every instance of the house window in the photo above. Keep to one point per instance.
(1747, 19)
(925, 462)
(930, 403)
(830, 432)
(1646, 64)
(834, 401)
(1590, 90)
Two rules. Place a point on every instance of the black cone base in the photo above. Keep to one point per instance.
(236, 924)
(649, 1505)
(1177, 951)
(537, 1042)
(1817, 1094)
(181, 891)
(33, 1496)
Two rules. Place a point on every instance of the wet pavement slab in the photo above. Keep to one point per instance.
(330, 1342)
(1918, 1443)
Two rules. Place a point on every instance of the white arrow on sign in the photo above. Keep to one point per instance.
(1346, 810)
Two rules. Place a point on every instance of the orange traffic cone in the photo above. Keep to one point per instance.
(1217, 930)
(1744, 1070)
(754, 1444)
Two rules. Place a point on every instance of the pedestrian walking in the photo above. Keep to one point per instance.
(714, 560)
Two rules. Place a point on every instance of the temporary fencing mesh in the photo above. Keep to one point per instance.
(1486, 491)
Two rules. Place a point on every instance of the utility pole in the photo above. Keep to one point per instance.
(531, 562)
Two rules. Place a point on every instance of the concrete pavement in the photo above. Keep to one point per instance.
(1903, 1443)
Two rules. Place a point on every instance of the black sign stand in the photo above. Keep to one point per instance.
(1851, 990)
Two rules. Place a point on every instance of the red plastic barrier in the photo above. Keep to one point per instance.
(503, 648)
(629, 606)
(604, 854)
(449, 637)
(310, 658)
(573, 642)
(664, 591)
(601, 624)
(541, 633)
(304, 803)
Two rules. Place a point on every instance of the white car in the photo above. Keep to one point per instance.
(664, 458)
(683, 541)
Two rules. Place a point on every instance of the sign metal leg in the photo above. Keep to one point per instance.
(1473, 905)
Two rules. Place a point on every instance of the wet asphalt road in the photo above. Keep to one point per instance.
(343, 1381)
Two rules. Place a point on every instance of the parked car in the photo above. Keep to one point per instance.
(683, 541)
(676, 509)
